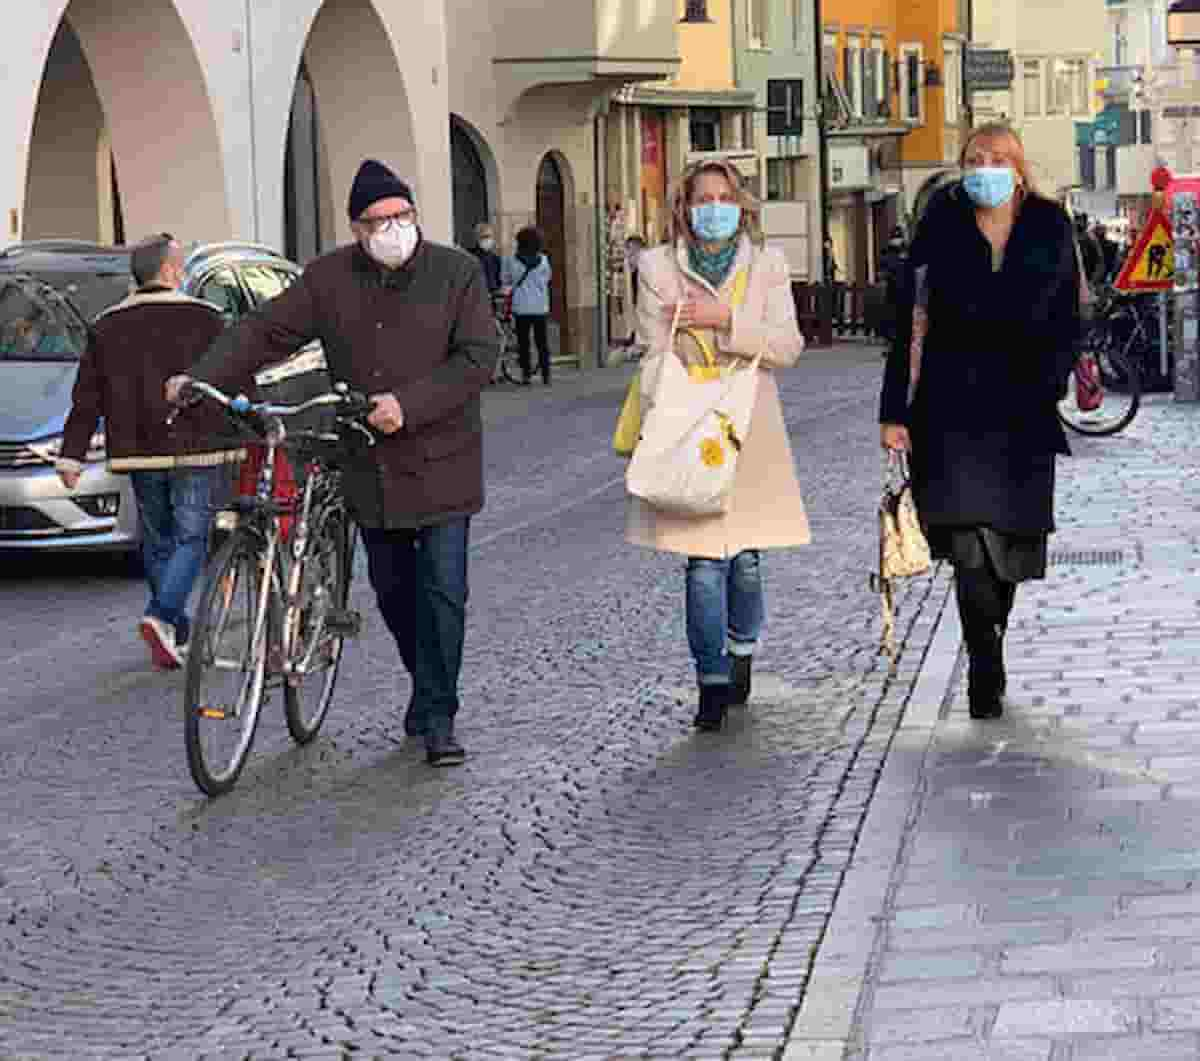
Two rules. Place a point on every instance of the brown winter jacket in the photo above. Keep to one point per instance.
(423, 332)
(133, 348)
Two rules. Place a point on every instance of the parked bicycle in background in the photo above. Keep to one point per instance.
(1120, 360)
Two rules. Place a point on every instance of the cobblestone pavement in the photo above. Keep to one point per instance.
(598, 881)
(1041, 899)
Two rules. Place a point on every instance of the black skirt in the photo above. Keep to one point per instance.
(1013, 557)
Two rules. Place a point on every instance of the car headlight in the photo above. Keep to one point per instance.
(51, 449)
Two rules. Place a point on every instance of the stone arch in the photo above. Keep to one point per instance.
(131, 78)
(365, 114)
(469, 150)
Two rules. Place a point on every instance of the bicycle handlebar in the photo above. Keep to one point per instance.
(353, 406)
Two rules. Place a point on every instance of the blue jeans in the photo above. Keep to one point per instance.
(724, 612)
(175, 508)
(420, 581)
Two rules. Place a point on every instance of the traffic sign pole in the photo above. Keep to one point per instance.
(1183, 197)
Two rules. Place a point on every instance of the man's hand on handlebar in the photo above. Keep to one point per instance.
(386, 415)
(175, 387)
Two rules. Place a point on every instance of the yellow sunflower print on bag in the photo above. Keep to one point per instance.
(712, 453)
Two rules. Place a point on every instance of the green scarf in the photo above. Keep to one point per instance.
(713, 266)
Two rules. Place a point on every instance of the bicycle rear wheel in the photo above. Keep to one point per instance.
(1121, 393)
(315, 649)
(226, 667)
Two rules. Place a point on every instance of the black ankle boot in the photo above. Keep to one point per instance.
(986, 680)
(739, 685)
(714, 699)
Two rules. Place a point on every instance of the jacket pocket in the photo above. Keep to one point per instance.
(450, 442)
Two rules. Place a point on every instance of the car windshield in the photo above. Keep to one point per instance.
(36, 323)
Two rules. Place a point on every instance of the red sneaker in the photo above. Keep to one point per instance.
(160, 638)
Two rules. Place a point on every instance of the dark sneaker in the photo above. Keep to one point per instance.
(710, 716)
(441, 746)
(739, 683)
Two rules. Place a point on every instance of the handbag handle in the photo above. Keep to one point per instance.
(896, 470)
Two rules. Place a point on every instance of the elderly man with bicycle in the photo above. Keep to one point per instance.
(407, 322)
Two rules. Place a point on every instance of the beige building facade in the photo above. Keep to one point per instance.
(1058, 49)
(246, 119)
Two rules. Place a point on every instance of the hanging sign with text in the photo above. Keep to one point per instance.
(988, 70)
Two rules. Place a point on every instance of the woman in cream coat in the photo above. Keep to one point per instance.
(735, 295)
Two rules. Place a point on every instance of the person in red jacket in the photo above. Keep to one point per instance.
(133, 347)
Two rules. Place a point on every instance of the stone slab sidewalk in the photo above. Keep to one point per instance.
(1025, 889)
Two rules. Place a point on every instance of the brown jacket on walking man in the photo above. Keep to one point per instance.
(409, 323)
(176, 473)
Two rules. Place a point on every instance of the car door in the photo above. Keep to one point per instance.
(304, 374)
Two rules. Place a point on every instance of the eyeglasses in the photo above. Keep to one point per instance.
(378, 224)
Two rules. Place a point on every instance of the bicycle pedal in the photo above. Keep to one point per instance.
(344, 622)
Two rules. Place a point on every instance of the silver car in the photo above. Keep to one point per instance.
(36, 379)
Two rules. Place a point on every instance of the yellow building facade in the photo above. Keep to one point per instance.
(654, 130)
(894, 91)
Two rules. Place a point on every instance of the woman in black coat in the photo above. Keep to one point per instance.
(986, 340)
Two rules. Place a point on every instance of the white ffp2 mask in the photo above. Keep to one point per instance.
(393, 245)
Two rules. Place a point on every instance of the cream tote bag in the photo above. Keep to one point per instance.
(692, 435)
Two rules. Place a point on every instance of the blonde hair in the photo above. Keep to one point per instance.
(680, 224)
(1003, 131)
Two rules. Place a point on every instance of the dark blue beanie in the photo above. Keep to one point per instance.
(374, 181)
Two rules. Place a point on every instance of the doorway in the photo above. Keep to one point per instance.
(551, 219)
(469, 186)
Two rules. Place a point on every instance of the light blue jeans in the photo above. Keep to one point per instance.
(724, 612)
(175, 508)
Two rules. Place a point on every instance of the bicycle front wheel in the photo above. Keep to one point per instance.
(313, 646)
(1116, 404)
(226, 666)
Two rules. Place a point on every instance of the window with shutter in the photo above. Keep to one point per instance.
(913, 64)
(870, 91)
(848, 78)
(885, 88)
(1087, 167)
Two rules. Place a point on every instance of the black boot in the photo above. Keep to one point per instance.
(983, 604)
(986, 680)
(739, 686)
(714, 699)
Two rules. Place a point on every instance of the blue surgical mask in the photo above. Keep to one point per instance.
(713, 222)
(990, 186)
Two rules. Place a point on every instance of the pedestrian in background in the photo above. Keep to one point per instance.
(635, 247)
(177, 473)
(1089, 250)
(715, 258)
(528, 274)
(406, 321)
(1108, 250)
(489, 261)
(892, 263)
(985, 346)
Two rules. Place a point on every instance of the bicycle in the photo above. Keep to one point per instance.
(508, 368)
(273, 609)
(1104, 391)
(1134, 323)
